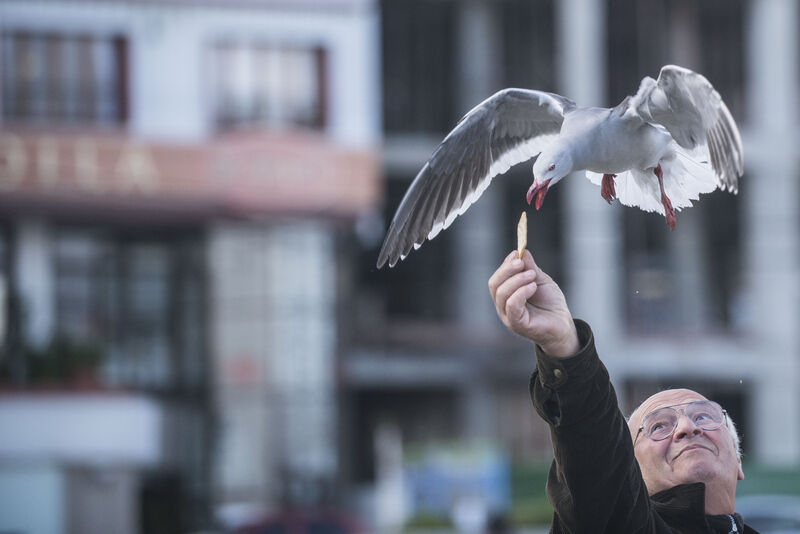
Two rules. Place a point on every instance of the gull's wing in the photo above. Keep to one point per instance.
(692, 111)
(507, 128)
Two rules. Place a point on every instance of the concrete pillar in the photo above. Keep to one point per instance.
(686, 245)
(592, 228)
(478, 241)
(687, 255)
(772, 254)
(35, 280)
(478, 249)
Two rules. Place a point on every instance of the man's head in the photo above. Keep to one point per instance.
(690, 453)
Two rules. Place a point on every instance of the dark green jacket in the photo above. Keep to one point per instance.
(595, 485)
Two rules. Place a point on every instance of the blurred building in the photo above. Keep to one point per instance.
(175, 178)
(192, 200)
(711, 305)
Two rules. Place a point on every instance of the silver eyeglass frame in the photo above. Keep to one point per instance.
(672, 406)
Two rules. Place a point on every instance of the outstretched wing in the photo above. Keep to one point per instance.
(507, 128)
(692, 111)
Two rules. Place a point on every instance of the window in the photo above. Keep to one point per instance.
(529, 44)
(269, 86)
(63, 78)
(656, 270)
(420, 287)
(419, 66)
(139, 300)
(84, 278)
(721, 217)
(420, 58)
(650, 281)
(142, 341)
(707, 37)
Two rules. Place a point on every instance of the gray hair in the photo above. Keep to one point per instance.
(734, 435)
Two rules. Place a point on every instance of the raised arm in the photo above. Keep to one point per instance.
(594, 485)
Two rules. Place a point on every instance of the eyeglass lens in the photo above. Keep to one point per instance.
(660, 423)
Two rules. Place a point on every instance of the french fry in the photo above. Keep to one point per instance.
(522, 234)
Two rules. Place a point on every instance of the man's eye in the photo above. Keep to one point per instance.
(657, 426)
(702, 417)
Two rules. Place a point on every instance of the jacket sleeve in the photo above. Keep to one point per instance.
(594, 483)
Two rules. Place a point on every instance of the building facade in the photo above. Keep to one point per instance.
(192, 200)
(175, 178)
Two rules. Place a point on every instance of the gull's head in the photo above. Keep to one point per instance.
(548, 169)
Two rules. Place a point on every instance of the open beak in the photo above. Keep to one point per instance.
(538, 191)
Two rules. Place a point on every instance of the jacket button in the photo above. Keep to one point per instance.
(558, 373)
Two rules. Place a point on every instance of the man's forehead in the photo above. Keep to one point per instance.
(667, 397)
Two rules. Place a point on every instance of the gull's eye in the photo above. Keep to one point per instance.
(552, 167)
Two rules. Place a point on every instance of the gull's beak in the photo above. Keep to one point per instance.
(538, 191)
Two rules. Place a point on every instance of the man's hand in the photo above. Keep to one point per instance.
(532, 305)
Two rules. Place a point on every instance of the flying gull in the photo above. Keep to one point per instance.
(657, 150)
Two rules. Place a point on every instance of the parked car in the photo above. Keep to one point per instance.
(304, 522)
(771, 514)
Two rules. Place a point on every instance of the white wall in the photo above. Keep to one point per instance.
(80, 428)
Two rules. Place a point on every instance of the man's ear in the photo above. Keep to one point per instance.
(740, 474)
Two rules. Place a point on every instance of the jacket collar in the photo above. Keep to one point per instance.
(683, 505)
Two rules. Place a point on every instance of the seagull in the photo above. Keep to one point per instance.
(657, 150)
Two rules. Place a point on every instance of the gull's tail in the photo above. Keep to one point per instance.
(686, 176)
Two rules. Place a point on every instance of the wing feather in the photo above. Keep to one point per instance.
(692, 111)
(508, 128)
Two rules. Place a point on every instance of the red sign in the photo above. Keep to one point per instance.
(237, 174)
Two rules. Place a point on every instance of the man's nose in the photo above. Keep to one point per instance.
(686, 427)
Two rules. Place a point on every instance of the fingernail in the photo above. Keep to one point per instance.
(517, 263)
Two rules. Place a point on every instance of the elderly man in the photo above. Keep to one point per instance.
(672, 468)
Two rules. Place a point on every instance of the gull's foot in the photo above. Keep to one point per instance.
(669, 213)
(607, 190)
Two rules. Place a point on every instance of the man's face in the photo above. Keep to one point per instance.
(690, 454)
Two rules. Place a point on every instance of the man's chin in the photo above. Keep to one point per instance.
(697, 471)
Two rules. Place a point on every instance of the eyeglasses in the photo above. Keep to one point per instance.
(661, 423)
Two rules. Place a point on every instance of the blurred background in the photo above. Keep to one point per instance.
(193, 193)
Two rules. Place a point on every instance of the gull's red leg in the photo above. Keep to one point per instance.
(669, 213)
(607, 190)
